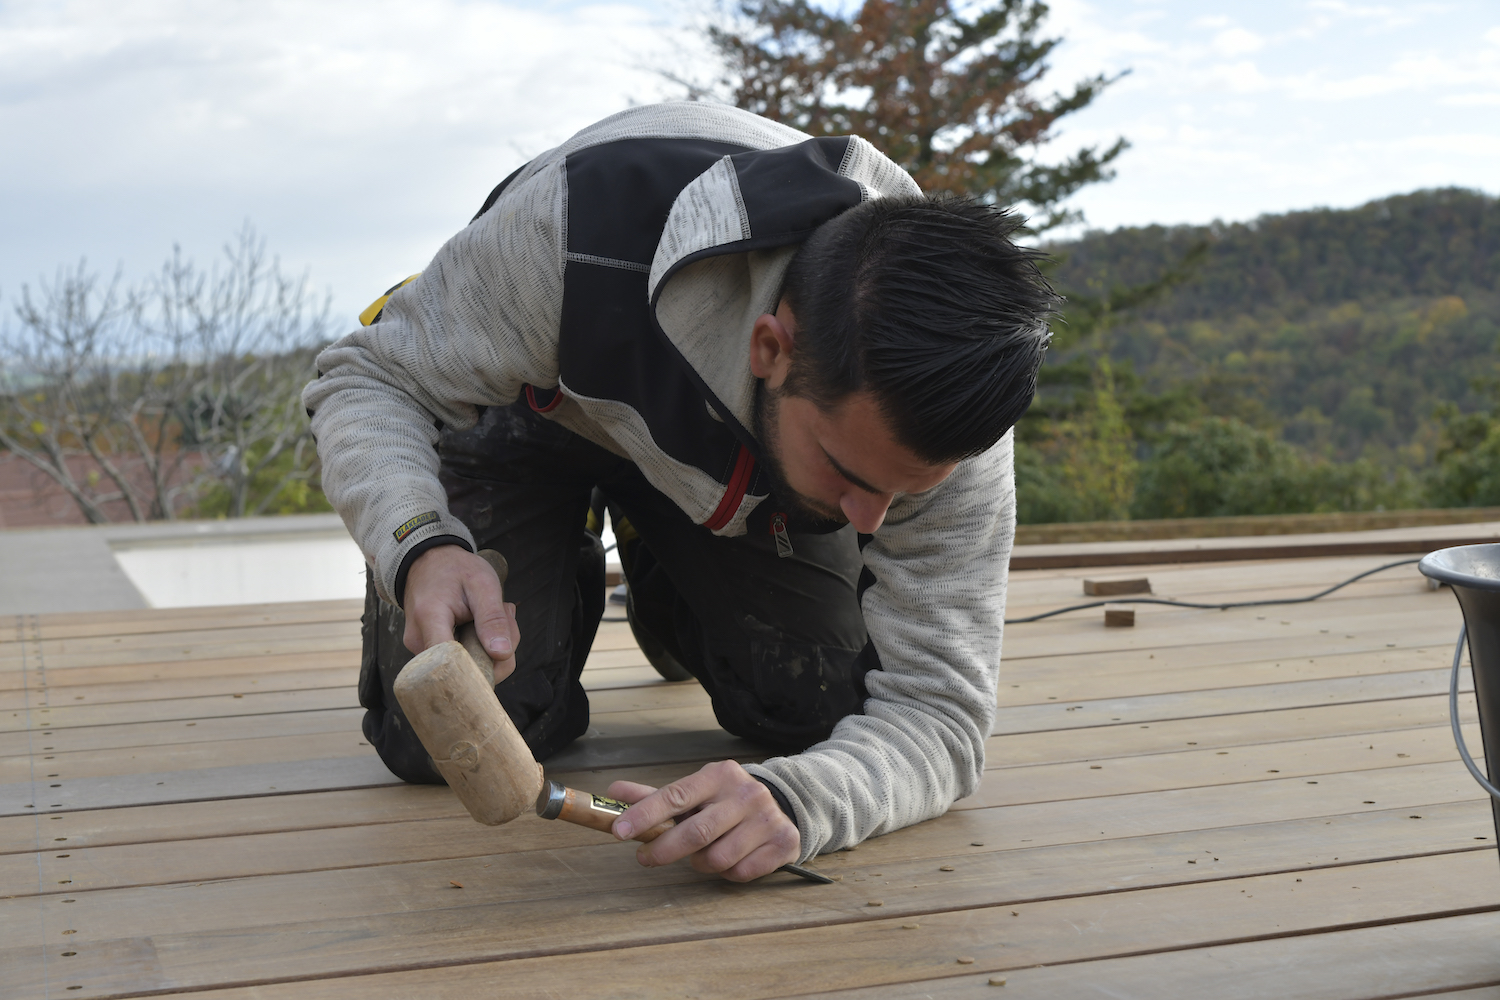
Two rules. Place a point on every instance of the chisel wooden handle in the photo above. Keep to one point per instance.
(557, 801)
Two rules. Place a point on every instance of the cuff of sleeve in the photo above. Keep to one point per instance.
(398, 590)
(784, 802)
(781, 800)
(396, 544)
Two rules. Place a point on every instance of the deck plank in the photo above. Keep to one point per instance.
(178, 677)
(1219, 731)
(81, 624)
(45, 794)
(1303, 760)
(648, 698)
(106, 693)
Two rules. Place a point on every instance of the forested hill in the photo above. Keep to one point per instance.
(1426, 244)
(1319, 360)
(1342, 332)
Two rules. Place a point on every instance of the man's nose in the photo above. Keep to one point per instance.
(866, 511)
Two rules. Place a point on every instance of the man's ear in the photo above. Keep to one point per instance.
(772, 340)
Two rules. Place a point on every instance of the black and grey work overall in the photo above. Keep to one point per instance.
(776, 640)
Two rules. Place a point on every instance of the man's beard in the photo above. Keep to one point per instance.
(766, 415)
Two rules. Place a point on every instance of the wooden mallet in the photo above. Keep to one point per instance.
(449, 698)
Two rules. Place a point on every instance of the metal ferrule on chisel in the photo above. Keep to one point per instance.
(549, 803)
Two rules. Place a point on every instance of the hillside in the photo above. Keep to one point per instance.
(1330, 337)
(1342, 329)
(1426, 244)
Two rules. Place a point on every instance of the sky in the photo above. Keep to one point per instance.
(1234, 110)
(357, 136)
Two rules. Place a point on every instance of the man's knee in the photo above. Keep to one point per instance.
(770, 682)
(777, 643)
(788, 692)
(382, 656)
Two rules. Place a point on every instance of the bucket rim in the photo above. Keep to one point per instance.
(1435, 567)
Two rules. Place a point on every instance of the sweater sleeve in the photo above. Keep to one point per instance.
(479, 324)
(934, 607)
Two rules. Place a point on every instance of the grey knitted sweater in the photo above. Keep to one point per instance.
(481, 325)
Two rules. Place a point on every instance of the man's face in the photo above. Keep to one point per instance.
(842, 465)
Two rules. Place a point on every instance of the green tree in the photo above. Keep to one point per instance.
(1467, 470)
(285, 482)
(1219, 466)
(1096, 305)
(1081, 467)
(953, 93)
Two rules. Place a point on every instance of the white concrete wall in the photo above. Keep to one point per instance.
(261, 571)
(180, 564)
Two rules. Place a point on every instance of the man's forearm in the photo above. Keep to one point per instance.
(935, 613)
(479, 323)
(380, 466)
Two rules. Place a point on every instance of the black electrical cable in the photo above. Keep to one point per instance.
(1458, 733)
(1209, 607)
(1223, 606)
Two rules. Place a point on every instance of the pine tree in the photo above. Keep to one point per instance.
(953, 93)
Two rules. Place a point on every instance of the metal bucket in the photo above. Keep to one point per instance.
(1473, 573)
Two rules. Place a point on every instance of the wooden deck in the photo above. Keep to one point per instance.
(1241, 804)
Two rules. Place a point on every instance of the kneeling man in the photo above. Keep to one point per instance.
(791, 379)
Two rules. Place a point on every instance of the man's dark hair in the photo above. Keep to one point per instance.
(928, 305)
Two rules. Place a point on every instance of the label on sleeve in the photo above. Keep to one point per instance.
(406, 529)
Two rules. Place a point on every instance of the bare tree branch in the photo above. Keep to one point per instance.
(183, 389)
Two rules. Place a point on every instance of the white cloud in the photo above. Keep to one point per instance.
(1313, 118)
(1242, 77)
(1466, 144)
(1489, 100)
(318, 73)
(357, 135)
(360, 135)
(1237, 42)
(1380, 15)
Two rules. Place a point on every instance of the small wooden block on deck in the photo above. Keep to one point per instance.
(1119, 616)
(1109, 588)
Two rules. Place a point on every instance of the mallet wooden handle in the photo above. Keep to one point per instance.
(467, 635)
